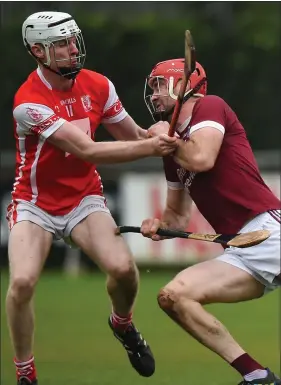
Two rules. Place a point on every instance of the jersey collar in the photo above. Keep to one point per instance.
(183, 126)
(41, 76)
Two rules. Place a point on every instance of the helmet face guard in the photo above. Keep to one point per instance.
(67, 67)
(153, 89)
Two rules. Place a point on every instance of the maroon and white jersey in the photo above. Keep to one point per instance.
(233, 191)
(48, 177)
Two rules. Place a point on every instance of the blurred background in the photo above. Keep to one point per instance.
(238, 43)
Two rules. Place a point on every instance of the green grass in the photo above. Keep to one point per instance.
(74, 345)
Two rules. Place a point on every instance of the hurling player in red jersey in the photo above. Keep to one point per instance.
(58, 192)
(214, 167)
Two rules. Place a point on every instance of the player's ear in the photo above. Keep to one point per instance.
(38, 51)
(178, 86)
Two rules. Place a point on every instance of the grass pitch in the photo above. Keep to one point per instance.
(74, 345)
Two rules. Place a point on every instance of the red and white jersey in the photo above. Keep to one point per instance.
(233, 191)
(54, 180)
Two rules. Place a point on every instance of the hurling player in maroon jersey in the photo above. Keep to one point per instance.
(215, 168)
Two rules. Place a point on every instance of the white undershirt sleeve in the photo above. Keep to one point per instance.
(38, 119)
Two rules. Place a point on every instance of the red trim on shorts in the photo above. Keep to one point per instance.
(15, 214)
(275, 215)
(12, 214)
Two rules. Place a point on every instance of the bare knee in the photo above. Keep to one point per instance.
(175, 293)
(124, 271)
(21, 289)
(168, 297)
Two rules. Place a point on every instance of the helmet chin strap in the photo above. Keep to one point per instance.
(66, 72)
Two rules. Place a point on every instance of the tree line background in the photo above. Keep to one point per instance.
(238, 43)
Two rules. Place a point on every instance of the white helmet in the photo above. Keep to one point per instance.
(48, 27)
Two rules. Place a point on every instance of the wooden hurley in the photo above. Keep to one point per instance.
(189, 67)
(240, 240)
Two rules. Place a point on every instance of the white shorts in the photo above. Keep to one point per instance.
(261, 261)
(61, 226)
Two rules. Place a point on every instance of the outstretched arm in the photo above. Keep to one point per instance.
(71, 139)
(41, 120)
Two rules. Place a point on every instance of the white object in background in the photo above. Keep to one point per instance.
(143, 196)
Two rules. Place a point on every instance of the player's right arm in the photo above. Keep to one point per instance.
(37, 119)
(176, 214)
(72, 140)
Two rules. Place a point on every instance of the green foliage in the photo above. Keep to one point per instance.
(237, 43)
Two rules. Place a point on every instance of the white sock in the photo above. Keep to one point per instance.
(24, 363)
(256, 375)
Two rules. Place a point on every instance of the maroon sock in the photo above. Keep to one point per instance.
(246, 364)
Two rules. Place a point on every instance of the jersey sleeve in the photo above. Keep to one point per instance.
(210, 112)
(113, 111)
(38, 119)
(170, 169)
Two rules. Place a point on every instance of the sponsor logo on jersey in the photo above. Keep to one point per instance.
(34, 114)
(186, 177)
(67, 101)
(87, 103)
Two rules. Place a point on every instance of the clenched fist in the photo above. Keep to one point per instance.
(158, 128)
(164, 145)
(150, 226)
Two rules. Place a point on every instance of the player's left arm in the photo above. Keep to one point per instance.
(116, 119)
(126, 129)
(199, 152)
